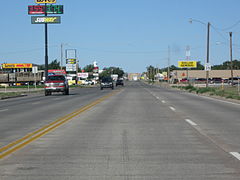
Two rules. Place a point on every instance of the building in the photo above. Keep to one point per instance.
(193, 74)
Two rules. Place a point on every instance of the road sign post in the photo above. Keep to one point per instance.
(46, 9)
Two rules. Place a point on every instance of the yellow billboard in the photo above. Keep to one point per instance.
(187, 64)
(45, 1)
(14, 66)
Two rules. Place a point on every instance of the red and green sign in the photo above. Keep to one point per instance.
(41, 9)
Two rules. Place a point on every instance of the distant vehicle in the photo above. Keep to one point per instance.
(233, 81)
(106, 82)
(201, 79)
(56, 83)
(135, 78)
(184, 80)
(89, 82)
(216, 80)
(119, 82)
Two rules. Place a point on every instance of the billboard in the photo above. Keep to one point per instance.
(15, 66)
(41, 9)
(46, 1)
(46, 19)
(187, 64)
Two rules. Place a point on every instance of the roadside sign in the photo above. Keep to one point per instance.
(82, 75)
(71, 61)
(46, 1)
(71, 53)
(46, 19)
(208, 67)
(15, 66)
(35, 69)
(187, 64)
(41, 9)
(71, 67)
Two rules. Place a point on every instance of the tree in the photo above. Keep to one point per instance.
(227, 65)
(88, 68)
(54, 65)
(112, 70)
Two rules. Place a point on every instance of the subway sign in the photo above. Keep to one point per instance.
(46, 19)
(41, 9)
(45, 1)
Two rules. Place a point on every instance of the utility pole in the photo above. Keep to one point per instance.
(61, 55)
(187, 58)
(208, 34)
(168, 65)
(230, 34)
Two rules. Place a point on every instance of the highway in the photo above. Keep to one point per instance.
(137, 131)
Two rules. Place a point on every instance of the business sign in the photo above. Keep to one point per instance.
(56, 71)
(82, 75)
(46, 19)
(46, 1)
(71, 54)
(71, 61)
(41, 9)
(15, 66)
(187, 64)
(71, 67)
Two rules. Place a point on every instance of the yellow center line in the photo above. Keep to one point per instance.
(20, 143)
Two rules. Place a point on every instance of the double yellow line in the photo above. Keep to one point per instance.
(20, 143)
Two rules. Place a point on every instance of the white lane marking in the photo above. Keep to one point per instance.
(163, 101)
(2, 110)
(55, 99)
(35, 103)
(172, 108)
(236, 155)
(191, 122)
(157, 97)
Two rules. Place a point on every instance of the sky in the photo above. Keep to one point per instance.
(130, 34)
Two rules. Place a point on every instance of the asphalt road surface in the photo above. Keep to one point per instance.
(137, 132)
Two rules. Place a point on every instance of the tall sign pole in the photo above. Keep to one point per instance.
(45, 10)
(46, 46)
(207, 71)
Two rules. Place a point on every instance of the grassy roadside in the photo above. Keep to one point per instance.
(4, 95)
(16, 91)
(227, 92)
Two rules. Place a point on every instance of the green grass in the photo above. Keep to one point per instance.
(227, 92)
(23, 87)
(9, 94)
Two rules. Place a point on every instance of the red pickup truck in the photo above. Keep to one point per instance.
(56, 83)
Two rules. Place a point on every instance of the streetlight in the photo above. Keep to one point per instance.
(207, 66)
(230, 34)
